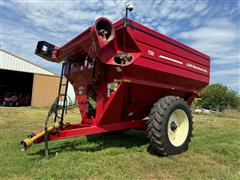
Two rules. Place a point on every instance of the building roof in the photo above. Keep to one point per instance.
(9, 61)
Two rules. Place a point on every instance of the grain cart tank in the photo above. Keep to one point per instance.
(138, 79)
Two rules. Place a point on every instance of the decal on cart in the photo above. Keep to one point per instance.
(170, 59)
(81, 90)
(111, 88)
(196, 67)
(151, 53)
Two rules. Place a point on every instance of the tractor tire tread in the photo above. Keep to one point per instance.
(156, 132)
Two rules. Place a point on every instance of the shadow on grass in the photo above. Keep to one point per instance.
(94, 143)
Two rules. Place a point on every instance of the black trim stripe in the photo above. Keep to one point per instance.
(166, 41)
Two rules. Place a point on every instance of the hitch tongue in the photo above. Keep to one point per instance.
(26, 143)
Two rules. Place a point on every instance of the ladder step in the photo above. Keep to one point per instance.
(61, 84)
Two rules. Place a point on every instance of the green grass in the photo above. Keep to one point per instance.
(214, 152)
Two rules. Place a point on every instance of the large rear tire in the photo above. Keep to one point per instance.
(170, 126)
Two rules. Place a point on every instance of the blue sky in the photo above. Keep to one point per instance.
(209, 26)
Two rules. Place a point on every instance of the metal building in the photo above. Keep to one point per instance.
(20, 76)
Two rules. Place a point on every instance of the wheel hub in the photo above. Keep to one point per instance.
(173, 126)
(178, 127)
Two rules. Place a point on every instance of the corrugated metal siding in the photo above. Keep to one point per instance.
(14, 63)
(45, 90)
(45, 83)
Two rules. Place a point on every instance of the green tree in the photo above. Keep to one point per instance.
(219, 97)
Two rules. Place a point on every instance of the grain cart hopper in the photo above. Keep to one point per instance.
(131, 72)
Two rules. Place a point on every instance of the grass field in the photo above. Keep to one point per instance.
(214, 152)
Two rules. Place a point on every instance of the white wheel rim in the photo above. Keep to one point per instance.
(178, 127)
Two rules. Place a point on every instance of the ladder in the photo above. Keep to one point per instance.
(62, 84)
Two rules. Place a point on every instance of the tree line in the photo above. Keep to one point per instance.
(218, 97)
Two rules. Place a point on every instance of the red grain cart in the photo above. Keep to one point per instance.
(128, 76)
